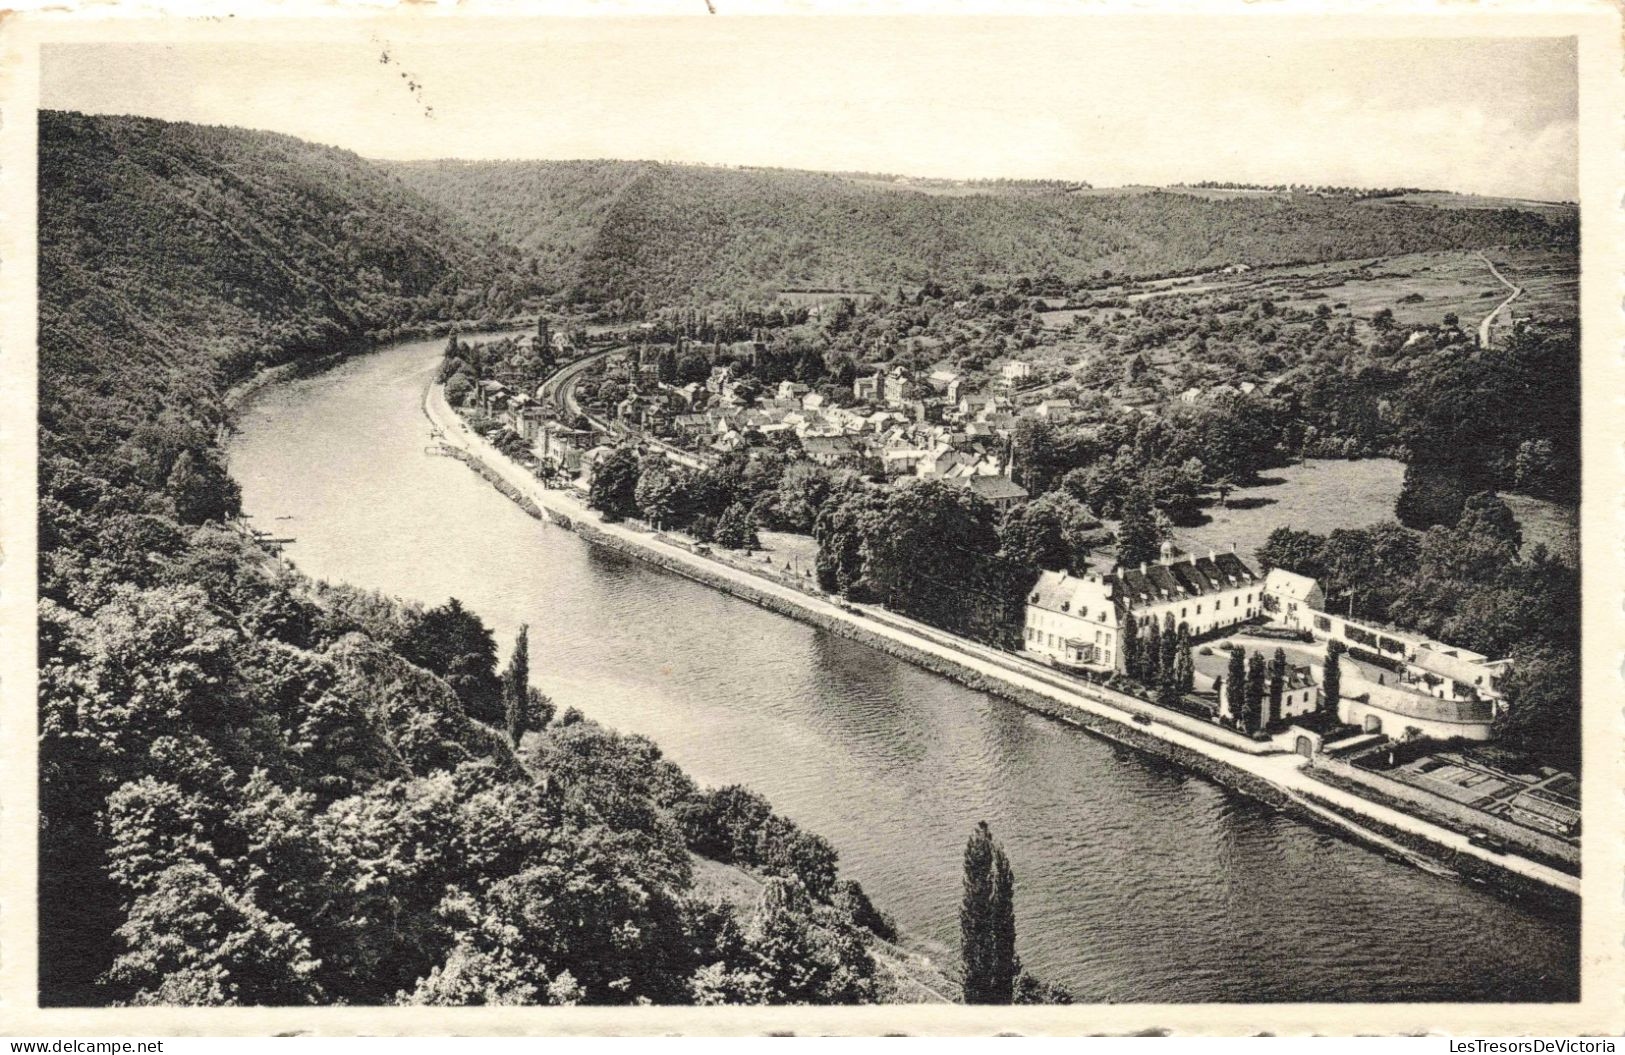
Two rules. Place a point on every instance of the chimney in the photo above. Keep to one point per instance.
(1212, 555)
(1142, 567)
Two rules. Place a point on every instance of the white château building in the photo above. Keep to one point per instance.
(1077, 621)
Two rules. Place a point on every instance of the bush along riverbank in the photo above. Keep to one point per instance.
(563, 510)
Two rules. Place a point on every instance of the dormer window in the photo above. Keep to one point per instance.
(1066, 606)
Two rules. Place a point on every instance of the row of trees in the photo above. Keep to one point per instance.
(709, 505)
(928, 550)
(1250, 692)
(1161, 658)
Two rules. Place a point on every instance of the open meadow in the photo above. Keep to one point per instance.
(1296, 496)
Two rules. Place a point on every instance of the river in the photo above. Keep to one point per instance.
(1136, 882)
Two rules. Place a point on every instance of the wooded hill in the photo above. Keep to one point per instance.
(669, 233)
(255, 789)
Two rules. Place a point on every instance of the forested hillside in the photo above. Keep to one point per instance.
(258, 790)
(668, 233)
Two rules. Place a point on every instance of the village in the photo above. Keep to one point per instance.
(1383, 712)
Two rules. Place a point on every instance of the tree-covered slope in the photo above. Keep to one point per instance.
(676, 232)
(181, 255)
(255, 789)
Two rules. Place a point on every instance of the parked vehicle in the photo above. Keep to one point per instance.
(1485, 841)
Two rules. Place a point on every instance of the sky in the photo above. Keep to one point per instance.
(1110, 102)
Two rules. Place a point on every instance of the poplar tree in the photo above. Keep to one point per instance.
(987, 922)
(1130, 645)
(516, 687)
(1235, 685)
(1170, 648)
(1277, 685)
(1331, 678)
(1255, 693)
(1185, 666)
(1151, 655)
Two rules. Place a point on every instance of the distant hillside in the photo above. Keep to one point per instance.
(677, 232)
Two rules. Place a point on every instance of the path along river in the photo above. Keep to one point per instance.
(1135, 880)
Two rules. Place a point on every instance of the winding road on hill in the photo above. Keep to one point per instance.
(1489, 320)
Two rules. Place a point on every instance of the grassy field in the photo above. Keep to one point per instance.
(1322, 495)
(1447, 282)
(1550, 279)
(1319, 495)
(1553, 523)
(796, 553)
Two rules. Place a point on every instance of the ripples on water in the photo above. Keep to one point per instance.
(1135, 880)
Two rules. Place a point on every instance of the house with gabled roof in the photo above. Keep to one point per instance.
(1000, 492)
(1073, 621)
(1290, 597)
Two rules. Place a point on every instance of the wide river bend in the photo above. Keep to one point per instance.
(1135, 880)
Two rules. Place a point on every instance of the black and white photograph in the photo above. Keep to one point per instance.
(982, 516)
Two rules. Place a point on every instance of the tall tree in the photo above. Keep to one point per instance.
(737, 528)
(613, 490)
(1331, 678)
(1130, 645)
(1255, 693)
(516, 687)
(987, 924)
(1138, 539)
(453, 642)
(1235, 687)
(1050, 532)
(1168, 658)
(1184, 666)
(1151, 655)
(1277, 686)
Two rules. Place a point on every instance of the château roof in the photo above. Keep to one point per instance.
(1080, 596)
(1186, 577)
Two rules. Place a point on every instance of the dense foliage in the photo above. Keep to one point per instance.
(260, 790)
(656, 234)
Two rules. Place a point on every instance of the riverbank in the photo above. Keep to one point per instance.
(1274, 777)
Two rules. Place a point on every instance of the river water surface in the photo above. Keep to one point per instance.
(1135, 881)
